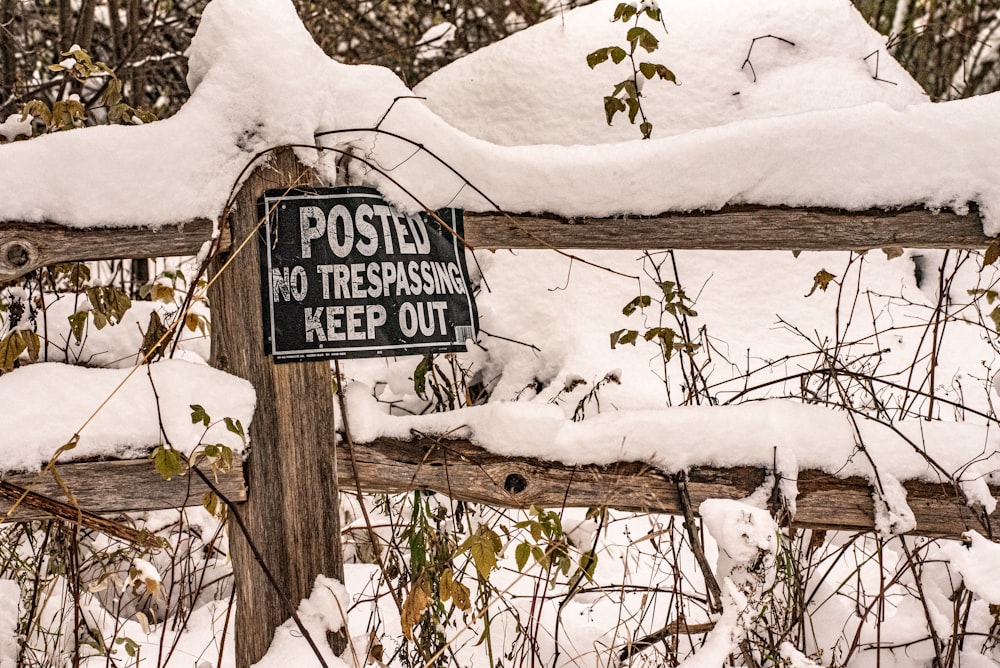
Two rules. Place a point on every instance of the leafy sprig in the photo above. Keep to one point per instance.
(627, 94)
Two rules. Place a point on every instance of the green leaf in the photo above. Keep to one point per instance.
(633, 107)
(210, 502)
(991, 295)
(77, 322)
(995, 317)
(666, 336)
(639, 36)
(624, 336)
(198, 414)
(992, 254)
(234, 426)
(420, 376)
(536, 531)
(168, 462)
(628, 12)
(483, 546)
(595, 58)
(112, 92)
(521, 555)
(642, 301)
(109, 305)
(648, 70)
(618, 54)
(588, 562)
(821, 280)
(612, 105)
(539, 555)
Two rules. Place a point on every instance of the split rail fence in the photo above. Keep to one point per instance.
(296, 464)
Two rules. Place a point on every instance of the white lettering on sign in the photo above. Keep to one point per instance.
(289, 283)
(343, 323)
(347, 274)
(388, 279)
(400, 234)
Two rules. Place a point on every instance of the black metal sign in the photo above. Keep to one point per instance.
(344, 274)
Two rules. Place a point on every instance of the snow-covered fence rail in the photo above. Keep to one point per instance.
(25, 246)
(467, 472)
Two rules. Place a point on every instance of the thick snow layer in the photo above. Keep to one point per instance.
(323, 612)
(259, 81)
(978, 564)
(783, 434)
(535, 87)
(46, 404)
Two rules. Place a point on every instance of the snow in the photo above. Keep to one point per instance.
(783, 434)
(743, 533)
(15, 127)
(536, 86)
(978, 564)
(10, 598)
(885, 150)
(116, 412)
(323, 612)
(523, 121)
(431, 43)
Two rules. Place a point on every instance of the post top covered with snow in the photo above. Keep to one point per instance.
(815, 129)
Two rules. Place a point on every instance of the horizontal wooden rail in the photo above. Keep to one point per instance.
(466, 472)
(735, 228)
(25, 246)
(129, 485)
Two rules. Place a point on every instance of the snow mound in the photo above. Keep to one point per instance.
(535, 86)
(46, 404)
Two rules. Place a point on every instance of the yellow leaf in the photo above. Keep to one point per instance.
(414, 606)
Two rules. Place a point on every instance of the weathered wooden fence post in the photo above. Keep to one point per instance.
(291, 512)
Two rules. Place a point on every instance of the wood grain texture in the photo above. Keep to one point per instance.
(734, 228)
(291, 510)
(26, 246)
(465, 471)
(129, 485)
(110, 487)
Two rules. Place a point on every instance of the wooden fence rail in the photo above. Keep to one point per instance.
(467, 472)
(25, 246)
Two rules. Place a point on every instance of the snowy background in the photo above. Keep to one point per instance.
(801, 117)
